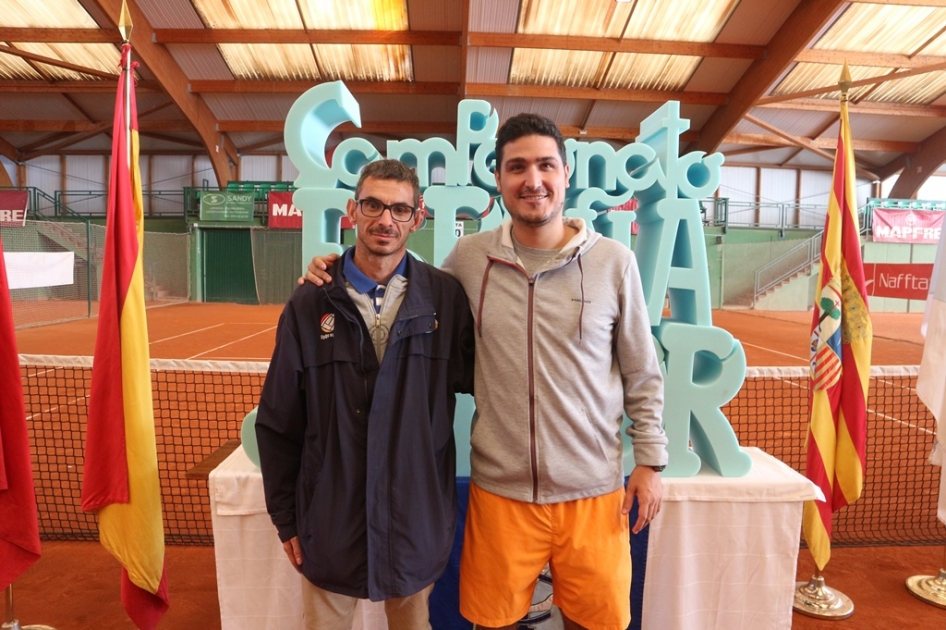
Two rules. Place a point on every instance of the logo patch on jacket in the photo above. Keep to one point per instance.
(327, 324)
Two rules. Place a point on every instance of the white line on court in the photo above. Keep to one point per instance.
(805, 359)
(55, 407)
(185, 334)
(232, 342)
(912, 426)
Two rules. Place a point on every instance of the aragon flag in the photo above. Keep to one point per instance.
(841, 339)
(19, 527)
(120, 481)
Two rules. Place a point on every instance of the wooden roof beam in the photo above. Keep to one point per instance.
(805, 22)
(760, 139)
(560, 92)
(10, 152)
(242, 86)
(884, 78)
(919, 165)
(73, 87)
(877, 60)
(60, 35)
(162, 65)
(641, 46)
(298, 36)
(59, 63)
(861, 107)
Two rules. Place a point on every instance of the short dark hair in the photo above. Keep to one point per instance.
(390, 170)
(525, 124)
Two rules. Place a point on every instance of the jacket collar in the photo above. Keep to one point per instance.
(417, 298)
(502, 247)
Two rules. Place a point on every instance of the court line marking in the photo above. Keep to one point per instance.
(912, 426)
(784, 354)
(54, 408)
(232, 342)
(185, 334)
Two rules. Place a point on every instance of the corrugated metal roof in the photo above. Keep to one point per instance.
(435, 15)
(682, 20)
(270, 61)
(364, 62)
(883, 28)
(806, 76)
(650, 72)
(731, 33)
(100, 57)
(604, 18)
(200, 62)
(46, 14)
(252, 14)
(557, 67)
(384, 15)
(488, 65)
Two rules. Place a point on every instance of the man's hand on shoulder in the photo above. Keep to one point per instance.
(317, 272)
(645, 484)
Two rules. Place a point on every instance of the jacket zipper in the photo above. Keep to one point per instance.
(532, 431)
(533, 442)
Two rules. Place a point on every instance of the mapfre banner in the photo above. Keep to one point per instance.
(907, 226)
(13, 207)
(282, 214)
(285, 216)
(908, 281)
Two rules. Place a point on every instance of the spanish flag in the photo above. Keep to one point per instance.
(841, 335)
(120, 480)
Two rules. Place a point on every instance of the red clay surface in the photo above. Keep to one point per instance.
(235, 332)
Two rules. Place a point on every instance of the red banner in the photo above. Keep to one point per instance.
(908, 281)
(285, 216)
(282, 214)
(13, 208)
(906, 226)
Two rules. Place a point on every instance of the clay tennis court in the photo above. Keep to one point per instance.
(234, 332)
(198, 412)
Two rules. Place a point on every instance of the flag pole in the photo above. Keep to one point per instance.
(813, 598)
(124, 27)
(10, 621)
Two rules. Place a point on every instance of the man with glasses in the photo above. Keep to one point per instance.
(563, 348)
(355, 421)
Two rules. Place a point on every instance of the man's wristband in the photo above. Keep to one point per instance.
(659, 468)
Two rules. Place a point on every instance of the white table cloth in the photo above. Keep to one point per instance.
(257, 586)
(723, 551)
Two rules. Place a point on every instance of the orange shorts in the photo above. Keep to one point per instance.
(507, 544)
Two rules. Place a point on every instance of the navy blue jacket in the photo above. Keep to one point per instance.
(358, 459)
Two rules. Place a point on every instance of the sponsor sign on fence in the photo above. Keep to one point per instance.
(13, 208)
(226, 206)
(909, 281)
(907, 226)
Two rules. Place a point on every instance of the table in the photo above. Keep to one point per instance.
(722, 553)
(257, 587)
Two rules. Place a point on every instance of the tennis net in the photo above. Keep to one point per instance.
(200, 405)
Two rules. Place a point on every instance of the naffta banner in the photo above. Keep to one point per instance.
(907, 226)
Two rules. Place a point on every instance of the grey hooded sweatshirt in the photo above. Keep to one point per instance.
(559, 357)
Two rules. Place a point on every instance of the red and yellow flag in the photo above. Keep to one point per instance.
(120, 480)
(19, 527)
(840, 358)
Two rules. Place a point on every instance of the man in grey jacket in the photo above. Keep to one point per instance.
(563, 347)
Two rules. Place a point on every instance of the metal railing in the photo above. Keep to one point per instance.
(93, 203)
(799, 259)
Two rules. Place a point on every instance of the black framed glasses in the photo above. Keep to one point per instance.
(371, 207)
